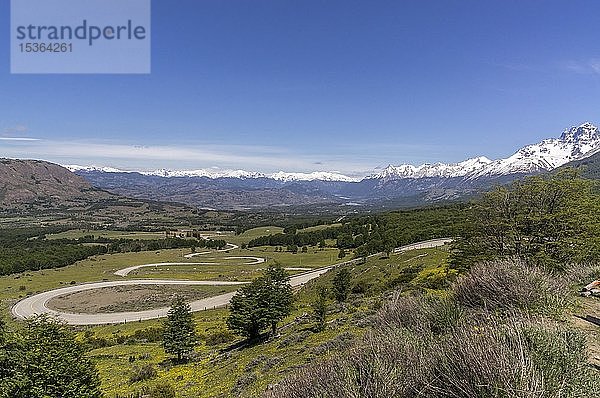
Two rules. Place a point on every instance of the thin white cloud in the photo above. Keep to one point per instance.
(253, 158)
(348, 159)
(18, 139)
(588, 67)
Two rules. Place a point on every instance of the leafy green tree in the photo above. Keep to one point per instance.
(319, 308)
(549, 220)
(341, 254)
(277, 295)
(345, 241)
(389, 244)
(341, 284)
(12, 379)
(179, 336)
(53, 364)
(261, 304)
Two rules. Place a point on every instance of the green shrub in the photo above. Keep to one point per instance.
(163, 391)
(148, 335)
(219, 337)
(142, 373)
(436, 278)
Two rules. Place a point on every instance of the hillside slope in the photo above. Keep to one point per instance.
(30, 181)
(35, 193)
(590, 167)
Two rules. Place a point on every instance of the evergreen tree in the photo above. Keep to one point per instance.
(342, 254)
(277, 295)
(261, 304)
(246, 316)
(179, 336)
(320, 310)
(341, 284)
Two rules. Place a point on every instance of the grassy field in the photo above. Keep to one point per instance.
(132, 298)
(319, 227)
(218, 371)
(229, 236)
(253, 233)
(99, 268)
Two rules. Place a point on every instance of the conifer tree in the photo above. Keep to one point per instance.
(179, 336)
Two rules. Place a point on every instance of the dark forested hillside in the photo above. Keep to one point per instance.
(589, 167)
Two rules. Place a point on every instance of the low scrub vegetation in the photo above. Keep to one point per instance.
(510, 285)
(488, 336)
(142, 373)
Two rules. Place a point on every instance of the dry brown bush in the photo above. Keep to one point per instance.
(484, 340)
(508, 285)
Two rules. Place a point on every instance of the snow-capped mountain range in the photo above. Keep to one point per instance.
(214, 174)
(393, 186)
(575, 143)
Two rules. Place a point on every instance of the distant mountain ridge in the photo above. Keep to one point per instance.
(575, 143)
(394, 186)
(214, 174)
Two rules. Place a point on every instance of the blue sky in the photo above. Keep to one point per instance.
(311, 85)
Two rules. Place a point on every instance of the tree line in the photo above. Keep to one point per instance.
(378, 233)
(545, 220)
(19, 252)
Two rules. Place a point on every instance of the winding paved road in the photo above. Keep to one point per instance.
(125, 271)
(37, 304)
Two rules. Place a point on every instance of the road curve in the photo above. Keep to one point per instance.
(426, 244)
(196, 254)
(126, 271)
(37, 304)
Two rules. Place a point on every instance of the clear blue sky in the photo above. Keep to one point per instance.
(319, 85)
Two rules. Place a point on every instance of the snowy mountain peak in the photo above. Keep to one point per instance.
(243, 174)
(586, 132)
(314, 176)
(433, 170)
(575, 143)
(74, 168)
